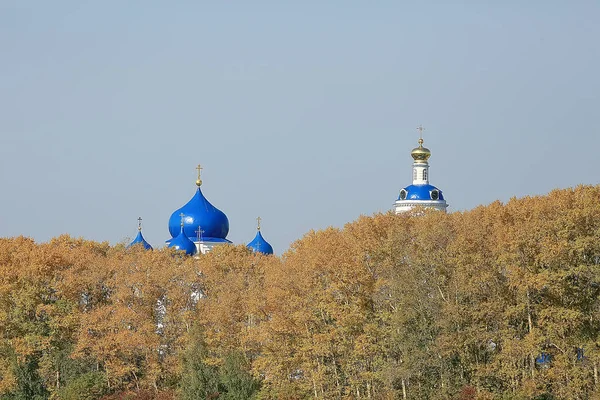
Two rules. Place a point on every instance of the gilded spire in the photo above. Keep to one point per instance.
(258, 219)
(140, 224)
(199, 181)
(420, 154)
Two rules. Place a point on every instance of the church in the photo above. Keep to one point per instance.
(198, 227)
(421, 193)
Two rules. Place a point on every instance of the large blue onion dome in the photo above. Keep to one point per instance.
(200, 218)
(182, 242)
(139, 239)
(259, 244)
(421, 192)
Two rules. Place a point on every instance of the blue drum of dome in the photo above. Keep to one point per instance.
(421, 192)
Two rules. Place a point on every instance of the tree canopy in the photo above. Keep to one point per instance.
(502, 301)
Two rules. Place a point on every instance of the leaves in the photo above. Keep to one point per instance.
(422, 305)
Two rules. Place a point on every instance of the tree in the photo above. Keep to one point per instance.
(199, 380)
(235, 379)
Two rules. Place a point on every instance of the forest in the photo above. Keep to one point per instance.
(499, 302)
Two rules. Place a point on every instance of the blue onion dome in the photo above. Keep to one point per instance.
(139, 239)
(182, 242)
(259, 244)
(200, 218)
(421, 192)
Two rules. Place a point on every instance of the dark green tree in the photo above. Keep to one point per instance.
(236, 382)
(30, 385)
(199, 380)
(90, 386)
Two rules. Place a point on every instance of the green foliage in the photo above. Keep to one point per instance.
(89, 386)
(29, 384)
(199, 381)
(236, 381)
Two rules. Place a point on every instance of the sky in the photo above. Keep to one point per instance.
(302, 113)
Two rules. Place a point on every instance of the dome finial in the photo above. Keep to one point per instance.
(259, 244)
(181, 216)
(199, 181)
(420, 129)
(420, 154)
(139, 239)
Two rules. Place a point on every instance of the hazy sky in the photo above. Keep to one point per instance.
(301, 112)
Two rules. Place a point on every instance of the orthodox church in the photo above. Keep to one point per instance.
(421, 192)
(198, 227)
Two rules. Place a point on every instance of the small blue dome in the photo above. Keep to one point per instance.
(420, 192)
(259, 244)
(139, 239)
(198, 212)
(182, 242)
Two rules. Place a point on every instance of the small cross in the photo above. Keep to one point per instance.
(258, 219)
(139, 223)
(199, 233)
(199, 169)
(420, 129)
(181, 216)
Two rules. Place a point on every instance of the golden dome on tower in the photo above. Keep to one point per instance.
(420, 153)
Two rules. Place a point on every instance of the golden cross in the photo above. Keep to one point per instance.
(199, 169)
(139, 223)
(258, 219)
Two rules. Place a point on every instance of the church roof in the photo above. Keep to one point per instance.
(200, 218)
(183, 243)
(260, 245)
(139, 239)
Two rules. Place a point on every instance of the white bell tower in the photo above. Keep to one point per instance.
(421, 192)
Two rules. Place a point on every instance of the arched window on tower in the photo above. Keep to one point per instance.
(414, 174)
(425, 174)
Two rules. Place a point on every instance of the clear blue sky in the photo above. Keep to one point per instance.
(301, 112)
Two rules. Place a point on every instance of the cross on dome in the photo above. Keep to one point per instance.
(420, 129)
(199, 181)
(199, 233)
(139, 239)
(259, 244)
